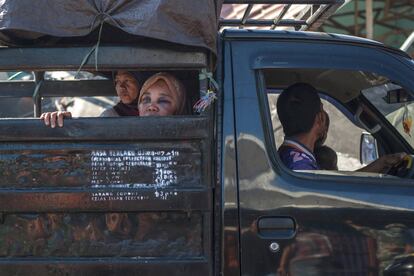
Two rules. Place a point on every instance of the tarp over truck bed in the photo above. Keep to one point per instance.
(48, 22)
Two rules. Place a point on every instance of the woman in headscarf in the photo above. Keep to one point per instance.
(162, 95)
(127, 86)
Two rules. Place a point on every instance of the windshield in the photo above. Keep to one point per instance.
(397, 105)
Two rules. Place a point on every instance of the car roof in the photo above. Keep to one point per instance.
(247, 34)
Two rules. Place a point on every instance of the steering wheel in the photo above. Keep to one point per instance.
(405, 168)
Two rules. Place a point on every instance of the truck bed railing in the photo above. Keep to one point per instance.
(111, 57)
(312, 17)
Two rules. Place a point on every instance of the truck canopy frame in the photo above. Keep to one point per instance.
(318, 11)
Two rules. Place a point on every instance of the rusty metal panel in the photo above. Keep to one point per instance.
(104, 165)
(170, 128)
(39, 177)
(110, 58)
(150, 234)
(105, 266)
(110, 200)
(109, 195)
(105, 176)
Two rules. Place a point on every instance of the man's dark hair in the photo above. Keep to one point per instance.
(297, 107)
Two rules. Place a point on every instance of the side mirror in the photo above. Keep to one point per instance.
(401, 265)
(368, 149)
(398, 96)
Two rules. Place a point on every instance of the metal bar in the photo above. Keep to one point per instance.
(280, 16)
(37, 98)
(18, 89)
(319, 17)
(111, 58)
(106, 129)
(408, 42)
(262, 22)
(303, 2)
(312, 23)
(308, 9)
(84, 88)
(246, 15)
(53, 88)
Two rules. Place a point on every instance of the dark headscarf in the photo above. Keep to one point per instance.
(130, 109)
(127, 109)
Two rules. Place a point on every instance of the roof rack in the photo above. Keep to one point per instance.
(311, 18)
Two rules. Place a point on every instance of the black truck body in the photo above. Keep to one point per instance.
(202, 194)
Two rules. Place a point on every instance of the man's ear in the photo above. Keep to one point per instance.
(320, 119)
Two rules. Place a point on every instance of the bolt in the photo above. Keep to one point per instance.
(274, 247)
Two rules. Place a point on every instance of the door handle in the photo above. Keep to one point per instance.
(276, 227)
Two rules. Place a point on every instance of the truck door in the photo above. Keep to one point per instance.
(320, 223)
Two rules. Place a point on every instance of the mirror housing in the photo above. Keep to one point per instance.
(399, 95)
(368, 150)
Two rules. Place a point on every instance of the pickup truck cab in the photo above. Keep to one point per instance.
(207, 194)
(341, 221)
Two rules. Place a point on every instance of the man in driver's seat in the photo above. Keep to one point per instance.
(303, 119)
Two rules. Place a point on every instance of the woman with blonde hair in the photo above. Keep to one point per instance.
(162, 95)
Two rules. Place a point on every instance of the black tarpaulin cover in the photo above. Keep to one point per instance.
(46, 22)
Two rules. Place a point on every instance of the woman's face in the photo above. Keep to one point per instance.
(126, 86)
(157, 100)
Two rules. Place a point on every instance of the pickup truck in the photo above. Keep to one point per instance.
(207, 194)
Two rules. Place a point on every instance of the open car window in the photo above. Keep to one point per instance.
(343, 94)
(341, 129)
